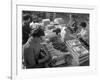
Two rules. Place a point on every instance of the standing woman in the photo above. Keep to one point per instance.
(27, 19)
(83, 35)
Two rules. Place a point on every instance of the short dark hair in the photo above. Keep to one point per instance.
(26, 17)
(57, 30)
(83, 24)
(37, 32)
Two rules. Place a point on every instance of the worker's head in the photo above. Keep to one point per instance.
(83, 24)
(27, 18)
(57, 30)
(38, 34)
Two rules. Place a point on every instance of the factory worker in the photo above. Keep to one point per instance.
(31, 50)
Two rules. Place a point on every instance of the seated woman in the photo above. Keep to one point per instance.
(31, 50)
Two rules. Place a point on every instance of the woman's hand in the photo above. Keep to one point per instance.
(46, 57)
